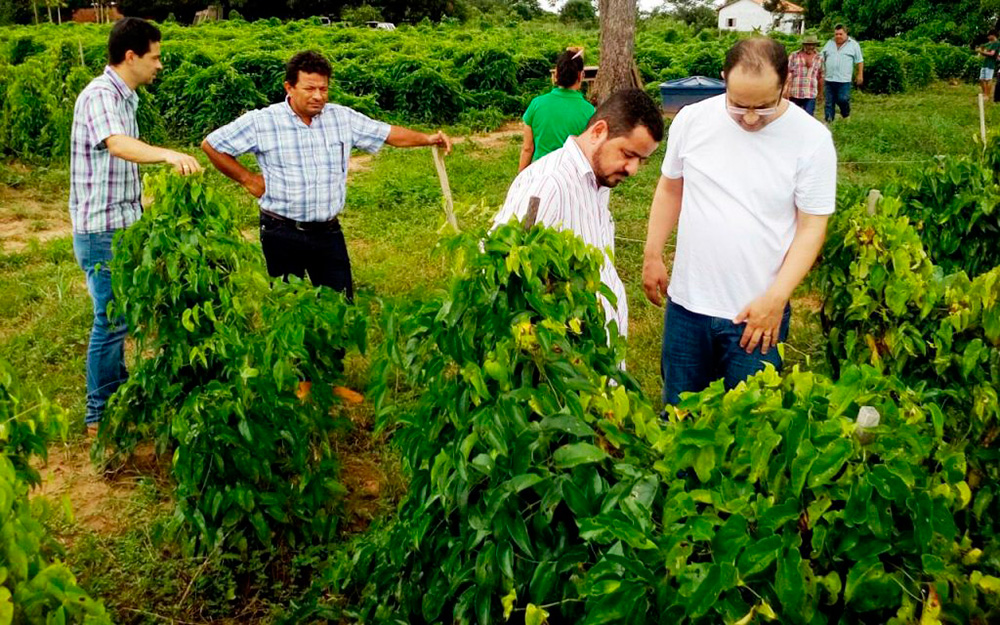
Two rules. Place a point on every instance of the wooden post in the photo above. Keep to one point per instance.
(449, 204)
(982, 119)
(873, 199)
(532, 214)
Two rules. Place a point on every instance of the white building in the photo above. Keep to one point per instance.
(750, 15)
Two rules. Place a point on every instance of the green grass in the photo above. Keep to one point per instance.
(392, 222)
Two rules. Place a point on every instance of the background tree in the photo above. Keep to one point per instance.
(618, 69)
(698, 14)
(578, 11)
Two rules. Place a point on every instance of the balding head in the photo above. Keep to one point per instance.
(758, 56)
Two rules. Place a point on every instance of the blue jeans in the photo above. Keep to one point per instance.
(839, 94)
(698, 349)
(806, 104)
(106, 354)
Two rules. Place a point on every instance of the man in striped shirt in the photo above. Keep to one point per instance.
(573, 183)
(302, 146)
(105, 189)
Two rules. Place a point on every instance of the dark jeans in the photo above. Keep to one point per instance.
(698, 349)
(839, 94)
(106, 352)
(807, 104)
(322, 254)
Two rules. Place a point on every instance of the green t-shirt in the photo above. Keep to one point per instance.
(554, 117)
(990, 62)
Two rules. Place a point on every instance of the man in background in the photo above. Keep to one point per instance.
(840, 55)
(805, 75)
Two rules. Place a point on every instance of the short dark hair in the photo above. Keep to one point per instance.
(626, 110)
(840, 27)
(310, 62)
(756, 53)
(131, 33)
(568, 68)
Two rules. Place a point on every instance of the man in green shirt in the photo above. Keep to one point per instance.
(989, 52)
(559, 114)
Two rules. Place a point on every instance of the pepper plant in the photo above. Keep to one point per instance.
(35, 586)
(222, 350)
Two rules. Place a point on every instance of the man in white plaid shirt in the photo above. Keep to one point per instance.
(105, 188)
(302, 146)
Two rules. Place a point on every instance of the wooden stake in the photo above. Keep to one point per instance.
(982, 119)
(449, 204)
(532, 214)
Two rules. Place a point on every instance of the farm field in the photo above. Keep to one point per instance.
(121, 539)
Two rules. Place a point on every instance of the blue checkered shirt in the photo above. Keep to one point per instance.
(104, 191)
(304, 166)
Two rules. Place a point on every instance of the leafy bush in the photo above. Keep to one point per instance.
(428, 96)
(224, 350)
(707, 62)
(26, 114)
(542, 483)
(35, 587)
(491, 70)
(266, 70)
(883, 72)
(23, 48)
(220, 95)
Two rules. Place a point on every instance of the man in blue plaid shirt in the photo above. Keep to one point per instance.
(302, 146)
(105, 189)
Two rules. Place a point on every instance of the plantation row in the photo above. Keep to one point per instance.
(542, 483)
(445, 74)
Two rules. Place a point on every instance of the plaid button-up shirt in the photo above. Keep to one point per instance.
(304, 166)
(803, 80)
(104, 191)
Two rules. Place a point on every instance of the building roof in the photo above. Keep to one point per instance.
(787, 7)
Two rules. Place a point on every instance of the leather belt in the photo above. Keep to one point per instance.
(332, 225)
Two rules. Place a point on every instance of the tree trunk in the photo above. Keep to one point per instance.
(34, 8)
(48, 7)
(618, 69)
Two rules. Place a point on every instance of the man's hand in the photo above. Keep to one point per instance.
(182, 163)
(254, 183)
(861, 79)
(763, 323)
(441, 140)
(655, 279)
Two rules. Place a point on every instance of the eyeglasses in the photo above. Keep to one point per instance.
(765, 112)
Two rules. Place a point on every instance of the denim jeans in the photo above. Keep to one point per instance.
(698, 349)
(806, 104)
(106, 354)
(839, 94)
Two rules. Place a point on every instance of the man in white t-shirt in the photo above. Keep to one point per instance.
(750, 182)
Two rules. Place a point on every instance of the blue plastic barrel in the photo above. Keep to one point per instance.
(679, 93)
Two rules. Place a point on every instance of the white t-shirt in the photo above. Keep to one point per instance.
(741, 191)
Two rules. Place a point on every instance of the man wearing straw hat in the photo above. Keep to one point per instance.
(805, 74)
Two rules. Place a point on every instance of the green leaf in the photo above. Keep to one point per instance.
(704, 463)
(706, 594)
(575, 454)
(830, 462)
(764, 445)
(759, 555)
(534, 615)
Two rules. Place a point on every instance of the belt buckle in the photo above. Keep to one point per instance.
(299, 226)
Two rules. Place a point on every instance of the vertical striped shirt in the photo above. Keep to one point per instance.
(571, 199)
(839, 62)
(304, 165)
(104, 191)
